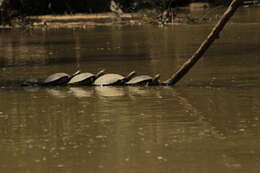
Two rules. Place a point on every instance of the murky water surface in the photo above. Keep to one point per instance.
(209, 122)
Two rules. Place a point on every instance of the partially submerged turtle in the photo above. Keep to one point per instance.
(31, 82)
(144, 80)
(55, 79)
(113, 79)
(85, 78)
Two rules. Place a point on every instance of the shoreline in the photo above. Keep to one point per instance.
(84, 20)
(80, 20)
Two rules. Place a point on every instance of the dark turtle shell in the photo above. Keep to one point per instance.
(57, 79)
(31, 82)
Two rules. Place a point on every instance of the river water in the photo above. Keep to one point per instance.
(208, 122)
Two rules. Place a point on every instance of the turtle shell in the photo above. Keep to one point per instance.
(140, 80)
(57, 79)
(31, 82)
(108, 79)
(82, 79)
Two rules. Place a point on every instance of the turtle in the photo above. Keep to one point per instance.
(31, 82)
(85, 78)
(55, 79)
(113, 79)
(144, 80)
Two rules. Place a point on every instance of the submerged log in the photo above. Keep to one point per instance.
(214, 34)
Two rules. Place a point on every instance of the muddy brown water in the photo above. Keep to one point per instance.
(208, 122)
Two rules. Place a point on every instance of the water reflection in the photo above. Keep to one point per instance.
(81, 92)
(83, 135)
(139, 91)
(110, 91)
(57, 92)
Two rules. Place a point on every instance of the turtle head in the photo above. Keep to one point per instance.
(130, 76)
(100, 73)
(76, 73)
(155, 80)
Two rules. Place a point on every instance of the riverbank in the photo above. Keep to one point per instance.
(193, 14)
(182, 15)
(85, 20)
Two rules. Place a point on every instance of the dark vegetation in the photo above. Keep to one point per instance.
(19, 8)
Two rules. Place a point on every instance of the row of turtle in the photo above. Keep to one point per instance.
(99, 79)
